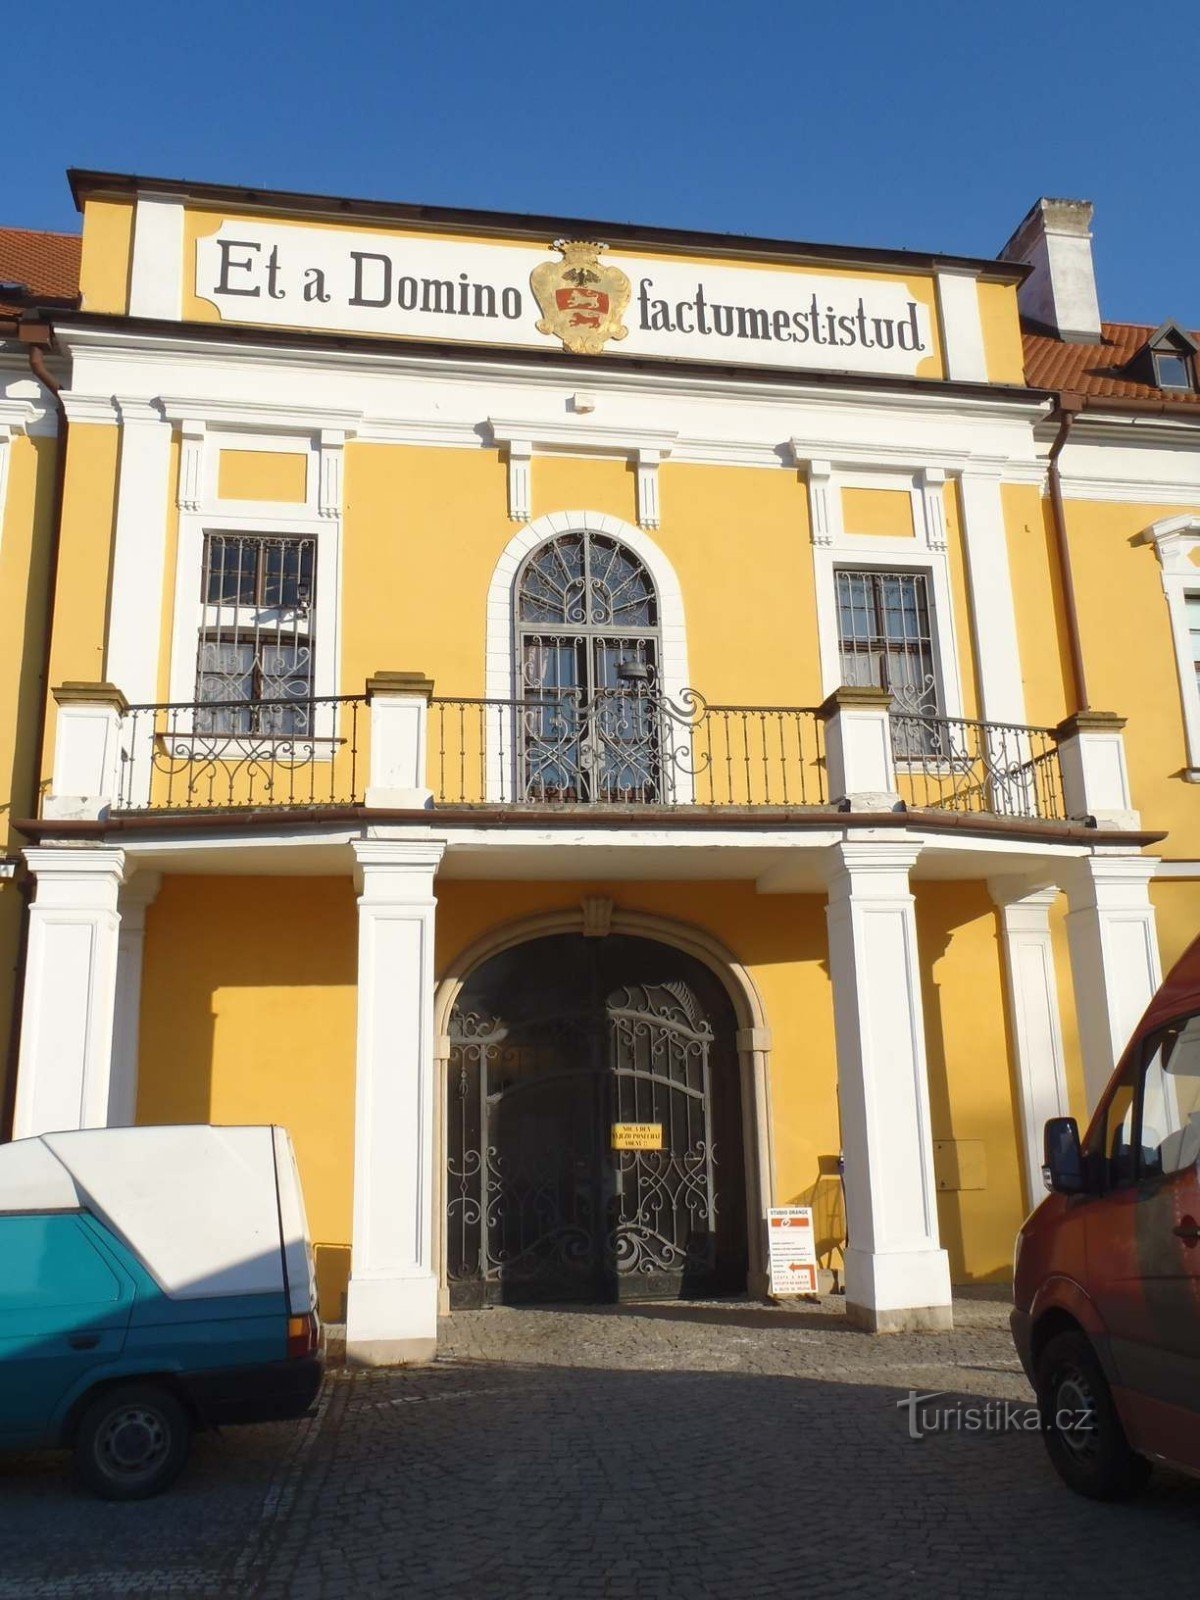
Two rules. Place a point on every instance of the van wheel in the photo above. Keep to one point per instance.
(132, 1442)
(1083, 1433)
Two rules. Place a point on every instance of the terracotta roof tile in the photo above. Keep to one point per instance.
(48, 263)
(1096, 369)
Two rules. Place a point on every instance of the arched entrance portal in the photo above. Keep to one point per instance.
(553, 1044)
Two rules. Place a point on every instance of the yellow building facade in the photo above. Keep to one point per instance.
(600, 732)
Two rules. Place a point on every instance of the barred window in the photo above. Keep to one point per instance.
(885, 636)
(254, 664)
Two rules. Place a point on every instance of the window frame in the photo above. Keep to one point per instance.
(1176, 540)
(1169, 353)
(238, 623)
(1096, 1147)
(836, 547)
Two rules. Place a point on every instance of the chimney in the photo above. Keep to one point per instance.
(1055, 239)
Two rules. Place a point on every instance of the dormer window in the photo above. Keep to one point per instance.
(1166, 361)
(1172, 370)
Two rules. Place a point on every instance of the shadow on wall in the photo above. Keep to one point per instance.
(827, 1200)
(333, 1278)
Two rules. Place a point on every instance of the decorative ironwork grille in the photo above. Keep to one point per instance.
(254, 663)
(538, 1205)
(885, 637)
(588, 653)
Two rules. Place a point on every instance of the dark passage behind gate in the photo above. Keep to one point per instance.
(553, 1043)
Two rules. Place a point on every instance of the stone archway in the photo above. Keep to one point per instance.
(596, 918)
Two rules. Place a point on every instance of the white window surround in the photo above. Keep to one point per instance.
(833, 547)
(317, 518)
(1176, 541)
(500, 665)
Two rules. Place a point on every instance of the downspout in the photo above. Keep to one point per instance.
(37, 336)
(1069, 407)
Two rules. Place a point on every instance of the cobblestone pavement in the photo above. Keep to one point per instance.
(655, 1451)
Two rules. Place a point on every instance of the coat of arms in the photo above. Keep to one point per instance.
(580, 300)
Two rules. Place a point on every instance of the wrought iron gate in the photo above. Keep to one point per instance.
(540, 1206)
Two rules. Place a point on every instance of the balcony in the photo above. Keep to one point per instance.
(400, 748)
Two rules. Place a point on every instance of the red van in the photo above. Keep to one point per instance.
(1106, 1291)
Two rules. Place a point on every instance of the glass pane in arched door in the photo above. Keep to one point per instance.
(588, 646)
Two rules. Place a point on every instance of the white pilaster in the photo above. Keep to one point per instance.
(139, 551)
(391, 1313)
(156, 271)
(897, 1274)
(1032, 991)
(962, 327)
(64, 1068)
(135, 897)
(997, 656)
(1115, 962)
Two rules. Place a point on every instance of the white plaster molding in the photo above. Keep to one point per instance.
(96, 408)
(156, 267)
(1033, 1008)
(824, 499)
(962, 326)
(519, 455)
(330, 461)
(1115, 963)
(648, 462)
(1176, 541)
(584, 438)
(139, 552)
(63, 1076)
(993, 613)
(932, 482)
(190, 491)
(260, 416)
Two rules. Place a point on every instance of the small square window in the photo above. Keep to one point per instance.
(1172, 370)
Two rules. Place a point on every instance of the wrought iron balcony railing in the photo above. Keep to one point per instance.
(624, 747)
(244, 753)
(618, 748)
(987, 768)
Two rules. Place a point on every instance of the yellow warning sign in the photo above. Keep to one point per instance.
(637, 1136)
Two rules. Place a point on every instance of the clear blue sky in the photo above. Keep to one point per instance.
(906, 124)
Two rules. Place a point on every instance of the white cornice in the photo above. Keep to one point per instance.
(121, 344)
(586, 437)
(256, 415)
(89, 407)
(1132, 491)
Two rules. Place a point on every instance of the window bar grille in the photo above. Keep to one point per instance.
(254, 662)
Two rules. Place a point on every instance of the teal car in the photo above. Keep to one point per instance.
(153, 1281)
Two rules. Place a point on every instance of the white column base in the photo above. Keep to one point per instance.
(900, 1291)
(391, 1322)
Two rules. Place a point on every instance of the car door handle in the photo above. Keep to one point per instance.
(84, 1341)
(1188, 1231)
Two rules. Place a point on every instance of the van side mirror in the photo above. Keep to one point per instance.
(1063, 1169)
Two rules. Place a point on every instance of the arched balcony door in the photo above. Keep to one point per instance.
(588, 650)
